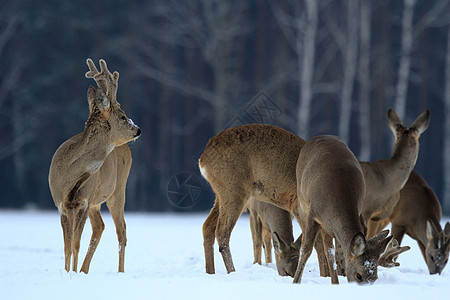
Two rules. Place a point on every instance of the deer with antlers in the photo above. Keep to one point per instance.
(92, 167)
(331, 189)
(418, 214)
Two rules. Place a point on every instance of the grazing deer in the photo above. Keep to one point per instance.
(92, 168)
(266, 222)
(242, 163)
(385, 178)
(331, 188)
(418, 214)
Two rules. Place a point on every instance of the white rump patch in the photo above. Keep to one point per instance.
(203, 172)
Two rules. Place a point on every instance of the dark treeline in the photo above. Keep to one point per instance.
(189, 69)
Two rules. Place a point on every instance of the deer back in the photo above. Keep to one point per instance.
(258, 159)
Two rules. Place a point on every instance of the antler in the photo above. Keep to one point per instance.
(105, 80)
(389, 257)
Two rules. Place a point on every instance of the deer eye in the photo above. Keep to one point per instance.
(359, 277)
(432, 258)
(124, 118)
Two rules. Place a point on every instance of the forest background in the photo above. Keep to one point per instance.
(189, 69)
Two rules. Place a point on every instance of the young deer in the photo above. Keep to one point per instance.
(331, 190)
(242, 163)
(92, 168)
(266, 222)
(418, 214)
(385, 178)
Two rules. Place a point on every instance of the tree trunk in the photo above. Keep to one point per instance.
(405, 58)
(364, 82)
(446, 150)
(306, 69)
(350, 63)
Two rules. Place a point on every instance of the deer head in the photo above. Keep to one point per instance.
(286, 255)
(413, 133)
(437, 248)
(105, 111)
(362, 262)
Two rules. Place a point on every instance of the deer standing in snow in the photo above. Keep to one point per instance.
(269, 222)
(92, 168)
(385, 178)
(331, 189)
(418, 214)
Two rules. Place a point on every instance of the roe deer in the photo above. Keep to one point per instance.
(331, 188)
(418, 214)
(248, 162)
(266, 222)
(92, 167)
(385, 178)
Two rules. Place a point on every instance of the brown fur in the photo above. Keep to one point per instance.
(385, 178)
(247, 162)
(267, 221)
(418, 213)
(331, 189)
(92, 168)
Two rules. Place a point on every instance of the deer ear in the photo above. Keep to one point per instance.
(278, 243)
(447, 229)
(431, 230)
(298, 242)
(422, 121)
(358, 245)
(91, 95)
(393, 121)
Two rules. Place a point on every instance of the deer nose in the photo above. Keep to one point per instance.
(138, 133)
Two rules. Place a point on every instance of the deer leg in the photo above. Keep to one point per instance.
(209, 235)
(67, 227)
(256, 228)
(320, 250)
(330, 254)
(318, 244)
(97, 229)
(80, 215)
(267, 242)
(116, 206)
(309, 236)
(228, 217)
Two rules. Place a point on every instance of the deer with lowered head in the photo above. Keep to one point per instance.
(385, 178)
(269, 222)
(253, 161)
(418, 214)
(249, 162)
(331, 189)
(92, 167)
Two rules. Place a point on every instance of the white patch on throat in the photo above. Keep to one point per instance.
(109, 149)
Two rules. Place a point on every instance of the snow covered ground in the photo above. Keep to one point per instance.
(164, 260)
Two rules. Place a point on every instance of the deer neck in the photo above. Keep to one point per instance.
(402, 162)
(95, 146)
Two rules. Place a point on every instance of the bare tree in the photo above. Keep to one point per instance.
(213, 28)
(405, 58)
(350, 65)
(446, 149)
(364, 82)
(300, 28)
